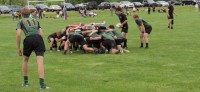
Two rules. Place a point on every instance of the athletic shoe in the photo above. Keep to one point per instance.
(172, 28)
(96, 51)
(146, 47)
(44, 87)
(168, 27)
(25, 85)
(141, 46)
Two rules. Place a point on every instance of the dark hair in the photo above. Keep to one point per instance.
(119, 9)
(172, 2)
(135, 16)
(112, 27)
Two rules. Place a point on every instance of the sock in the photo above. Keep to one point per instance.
(125, 43)
(25, 79)
(141, 45)
(41, 82)
(147, 45)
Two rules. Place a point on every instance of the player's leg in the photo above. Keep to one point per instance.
(51, 40)
(142, 40)
(25, 71)
(125, 41)
(146, 38)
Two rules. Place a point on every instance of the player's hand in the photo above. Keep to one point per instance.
(19, 52)
(121, 26)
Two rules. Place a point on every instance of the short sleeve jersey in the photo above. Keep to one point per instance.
(139, 22)
(118, 34)
(122, 18)
(107, 36)
(29, 26)
(171, 10)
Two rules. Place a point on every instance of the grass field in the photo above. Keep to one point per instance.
(172, 64)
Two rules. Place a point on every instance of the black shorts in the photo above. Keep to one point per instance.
(148, 30)
(109, 44)
(119, 41)
(77, 38)
(54, 45)
(125, 29)
(171, 16)
(34, 43)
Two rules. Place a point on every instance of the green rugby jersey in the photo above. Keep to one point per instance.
(29, 26)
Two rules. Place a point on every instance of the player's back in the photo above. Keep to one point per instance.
(30, 26)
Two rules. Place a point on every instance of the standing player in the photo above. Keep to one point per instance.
(170, 15)
(124, 24)
(32, 42)
(145, 30)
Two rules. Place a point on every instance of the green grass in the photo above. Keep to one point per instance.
(170, 65)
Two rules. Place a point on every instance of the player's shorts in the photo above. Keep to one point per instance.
(171, 16)
(77, 38)
(94, 43)
(34, 43)
(125, 29)
(148, 30)
(109, 44)
(119, 41)
(54, 45)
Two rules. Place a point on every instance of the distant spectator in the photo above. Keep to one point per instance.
(149, 10)
(111, 10)
(33, 14)
(17, 15)
(40, 14)
(154, 8)
(44, 13)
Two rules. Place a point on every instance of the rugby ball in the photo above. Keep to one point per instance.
(118, 25)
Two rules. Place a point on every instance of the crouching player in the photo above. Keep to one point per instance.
(77, 37)
(53, 39)
(32, 42)
(145, 30)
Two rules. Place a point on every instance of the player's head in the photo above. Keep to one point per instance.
(33, 12)
(25, 12)
(112, 27)
(118, 10)
(135, 17)
(172, 2)
(58, 33)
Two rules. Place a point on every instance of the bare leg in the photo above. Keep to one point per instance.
(146, 39)
(25, 66)
(125, 42)
(86, 48)
(51, 43)
(40, 66)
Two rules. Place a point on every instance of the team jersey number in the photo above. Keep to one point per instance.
(31, 22)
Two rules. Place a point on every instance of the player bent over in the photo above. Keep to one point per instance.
(145, 29)
(32, 42)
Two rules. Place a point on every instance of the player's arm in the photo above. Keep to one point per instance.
(85, 32)
(142, 28)
(18, 39)
(58, 40)
(108, 30)
(41, 32)
(175, 13)
(124, 22)
(93, 31)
